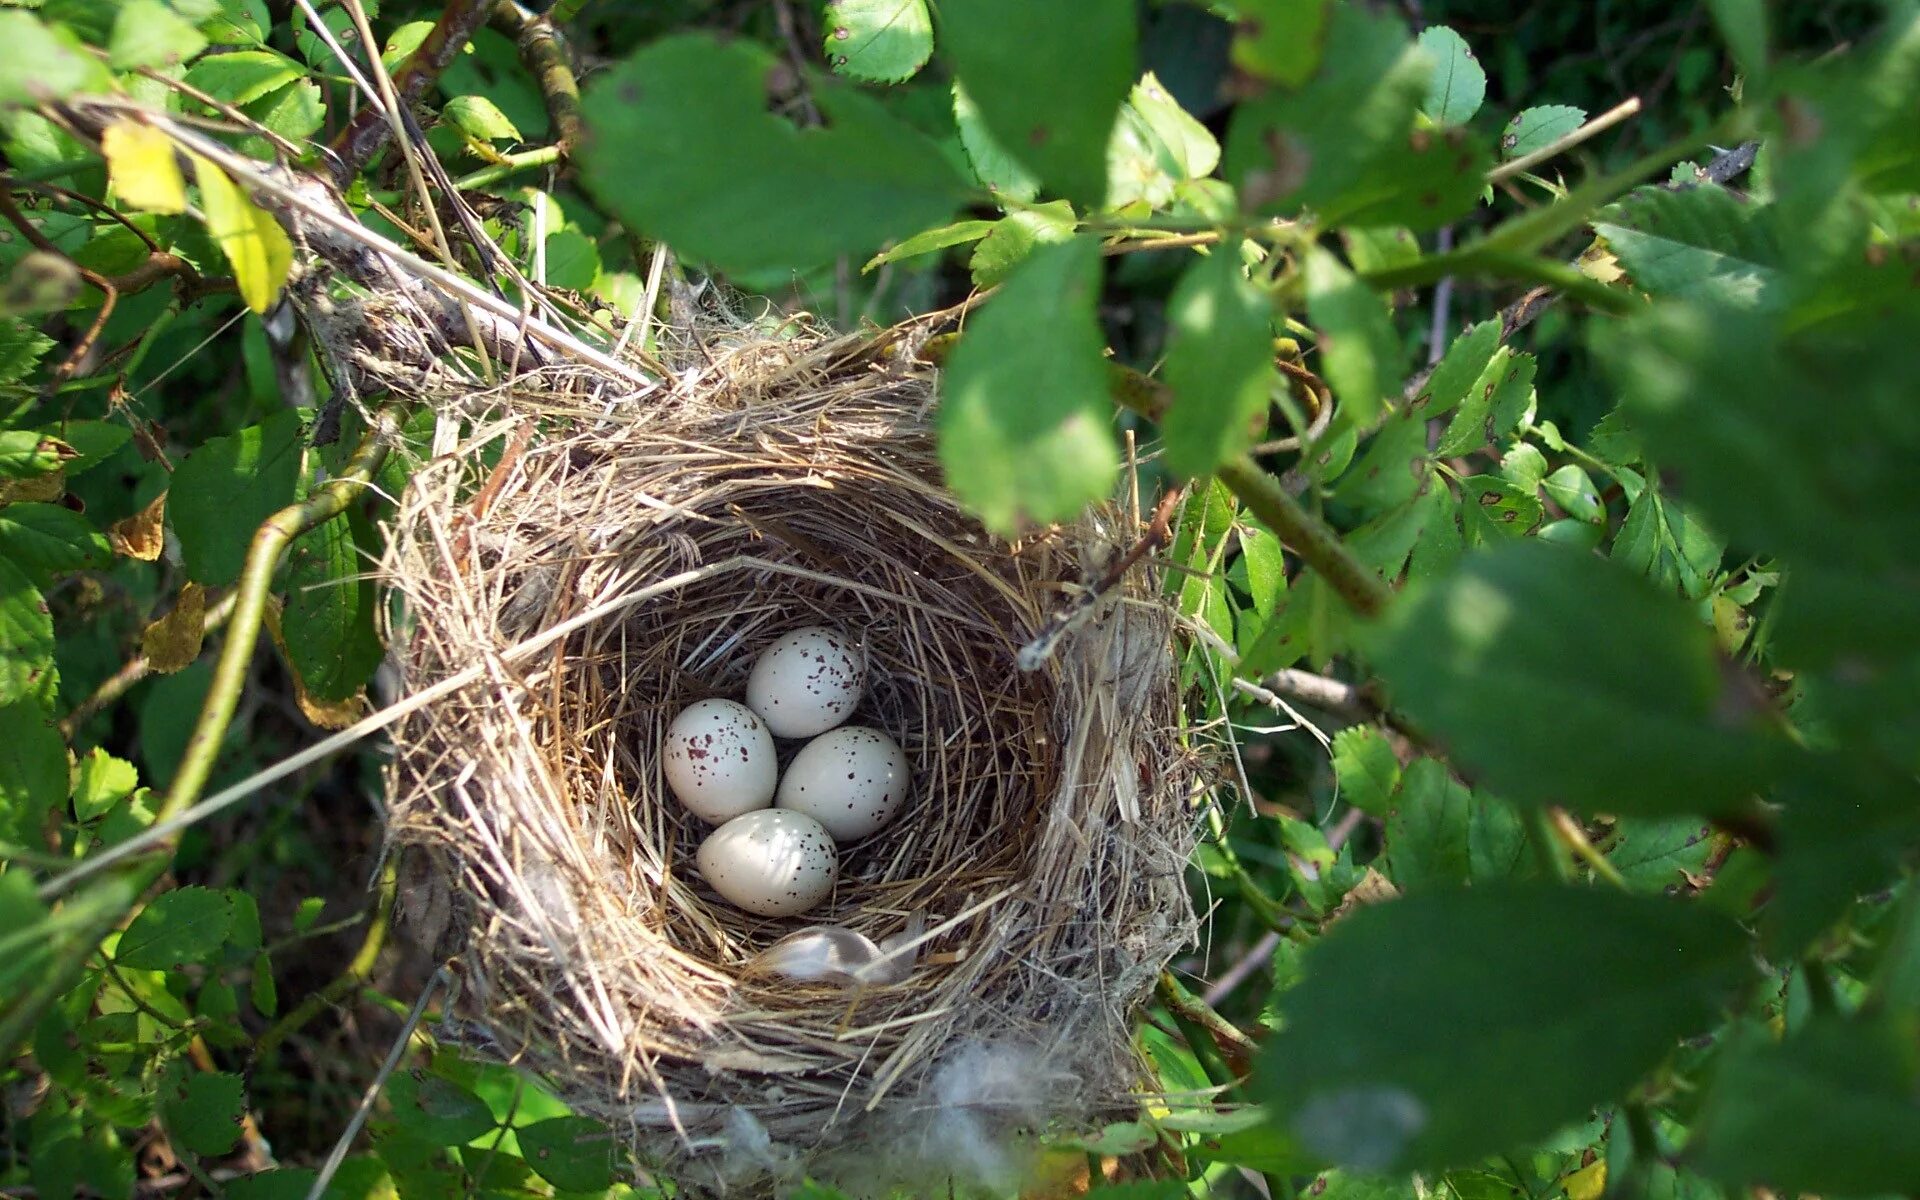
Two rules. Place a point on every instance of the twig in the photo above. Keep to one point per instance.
(1600, 124)
(1322, 692)
(544, 52)
(1256, 956)
(358, 972)
(369, 129)
(1036, 651)
(133, 671)
(1235, 1047)
(360, 1114)
(1576, 840)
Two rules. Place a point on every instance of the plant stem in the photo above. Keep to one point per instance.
(510, 165)
(1576, 840)
(1600, 124)
(1235, 1047)
(135, 669)
(1546, 846)
(369, 130)
(545, 55)
(349, 981)
(1820, 989)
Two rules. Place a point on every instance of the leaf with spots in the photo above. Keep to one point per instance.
(436, 1110)
(186, 925)
(1536, 128)
(1048, 81)
(878, 41)
(574, 1154)
(204, 1111)
(1492, 406)
(1457, 85)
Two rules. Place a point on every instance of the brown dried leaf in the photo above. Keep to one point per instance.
(143, 534)
(35, 489)
(1373, 888)
(173, 642)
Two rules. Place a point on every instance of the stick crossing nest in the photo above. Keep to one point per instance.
(1030, 891)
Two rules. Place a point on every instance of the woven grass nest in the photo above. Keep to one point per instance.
(1032, 887)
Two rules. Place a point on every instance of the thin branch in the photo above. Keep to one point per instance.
(1235, 1047)
(368, 131)
(358, 972)
(133, 671)
(544, 52)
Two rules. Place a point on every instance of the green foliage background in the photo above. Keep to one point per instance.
(1562, 475)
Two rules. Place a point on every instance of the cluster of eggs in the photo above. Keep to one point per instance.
(775, 851)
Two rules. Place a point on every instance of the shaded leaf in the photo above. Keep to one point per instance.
(996, 169)
(173, 642)
(1219, 364)
(1360, 351)
(1662, 541)
(47, 539)
(1656, 853)
(1280, 40)
(226, 488)
(1408, 1045)
(1366, 768)
(332, 604)
(33, 772)
(185, 925)
(1426, 837)
(1024, 415)
(575, 1154)
(204, 1111)
(1699, 243)
(437, 1110)
(26, 636)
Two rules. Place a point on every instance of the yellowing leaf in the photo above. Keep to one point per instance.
(173, 642)
(253, 241)
(1588, 1182)
(140, 161)
(143, 534)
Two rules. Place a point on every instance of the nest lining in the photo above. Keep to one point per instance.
(785, 483)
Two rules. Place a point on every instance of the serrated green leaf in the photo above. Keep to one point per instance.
(147, 33)
(1524, 467)
(26, 637)
(226, 488)
(332, 605)
(958, 233)
(878, 41)
(1263, 566)
(863, 179)
(1462, 366)
(998, 171)
(1014, 236)
(1612, 983)
(1047, 81)
(185, 925)
(33, 772)
(101, 782)
(1497, 845)
(1657, 853)
(572, 260)
(1572, 489)
(46, 539)
(21, 348)
(1219, 364)
(44, 63)
(1536, 128)
(25, 453)
(1426, 836)
(575, 1154)
(92, 442)
(1668, 545)
(1562, 679)
(1833, 1109)
(1457, 85)
(1280, 40)
(1190, 146)
(204, 1111)
(1360, 352)
(243, 76)
(1366, 768)
(436, 1110)
(1492, 406)
(1700, 243)
(1493, 510)
(1024, 415)
(479, 117)
(1394, 466)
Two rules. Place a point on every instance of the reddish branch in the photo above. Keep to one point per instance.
(368, 131)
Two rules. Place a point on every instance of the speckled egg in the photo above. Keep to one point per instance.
(807, 682)
(851, 780)
(773, 863)
(720, 760)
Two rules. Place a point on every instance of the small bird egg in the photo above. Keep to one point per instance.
(773, 863)
(807, 682)
(850, 779)
(720, 760)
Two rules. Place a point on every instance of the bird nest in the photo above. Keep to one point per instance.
(592, 570)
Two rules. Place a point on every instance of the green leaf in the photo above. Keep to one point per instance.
(1562, 679)
(1497, 846)
(998, 171)
(21, 349)
(1492, 406)
(1459, 370)
(33, 772)
(1316, 145)
(1263, 565)
(1743, 27)
(92, 442)
(48, 538)
(1024, 415)
(1535, 128)
(1366, 768)
(42, 63)
(863, 179)
(1280, 40)
(1426, 837)
(437, 1110)
(332, 605)
(204, 1111)
(1699, 243)
(479, 117)
(1047, 81)
(101, 782)
(1662, 541)
(1360, 351)
(1572, 489)
(26, 637)
(1441, 1028)
(572, 260)
(243, 76)
(25, 453)
(1834, 1109)
(226, 488)
(1014, 237)
(1219, 363)
(1658, 853)
(926, 242)
(149, 34)
(1457, 85)
(185, 925)
(1188, 146)
(575, 1154)
(878, 41)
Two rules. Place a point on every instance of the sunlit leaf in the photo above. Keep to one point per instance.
(255, 245)
(879, 41)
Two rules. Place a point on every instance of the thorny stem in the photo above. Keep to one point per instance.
(369, 130)
(349, 982)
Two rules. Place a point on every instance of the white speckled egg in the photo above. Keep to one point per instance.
(807, 682)
(773, 862)
(720, 760)
(851, 780)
